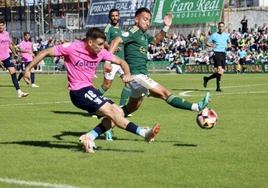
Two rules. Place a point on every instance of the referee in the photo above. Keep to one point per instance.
(219, 41)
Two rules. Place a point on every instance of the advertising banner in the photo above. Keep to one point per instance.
(188, 11)
(99, 9)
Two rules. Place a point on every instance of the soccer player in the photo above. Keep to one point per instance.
(26, 49)
(81, 60)
(111, 31)
(220, 41)
(5, 46)
(136, 42)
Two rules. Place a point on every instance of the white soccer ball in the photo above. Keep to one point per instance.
(207, 118)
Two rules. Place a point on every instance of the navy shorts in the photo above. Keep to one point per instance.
(89, 99)
(7, 63)
(23, 65)
(219, 59)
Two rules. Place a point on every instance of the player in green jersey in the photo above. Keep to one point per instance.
(111, 31)
(136, 42)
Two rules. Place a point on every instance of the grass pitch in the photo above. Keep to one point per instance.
(39, 138)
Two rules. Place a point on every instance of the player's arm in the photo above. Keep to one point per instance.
(106, 45)
(13, 49)
(19, 49)
(112, 48)
(107, 35)
(115, 44)
(36, 60)
(124, 66)
(167, 23)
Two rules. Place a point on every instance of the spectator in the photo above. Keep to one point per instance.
(244, 23)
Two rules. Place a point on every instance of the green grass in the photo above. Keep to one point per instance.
(39, 137)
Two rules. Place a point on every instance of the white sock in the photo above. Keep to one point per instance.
(142, 131)
(195, 107)
(19, 91)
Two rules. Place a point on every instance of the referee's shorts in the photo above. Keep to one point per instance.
(219, 59)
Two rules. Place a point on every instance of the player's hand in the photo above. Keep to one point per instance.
(168, 20)
(126, 78)
(26, 76)
(107, 67)
(118, 49)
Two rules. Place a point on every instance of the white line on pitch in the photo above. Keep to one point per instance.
(37, 103)
(34, 183)
(186, 93)
(251, 85)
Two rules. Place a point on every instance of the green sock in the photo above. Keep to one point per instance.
(101, 90)
(124, 96)
(179, 102)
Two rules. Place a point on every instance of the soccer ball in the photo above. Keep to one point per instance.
(207, 118)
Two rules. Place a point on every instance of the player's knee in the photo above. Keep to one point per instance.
(119, 110)
(115, 111)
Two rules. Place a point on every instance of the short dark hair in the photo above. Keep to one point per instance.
(2, 21)
(94, 33)
(113, 10)
(26, 33)
(221, 23)
(141, 10)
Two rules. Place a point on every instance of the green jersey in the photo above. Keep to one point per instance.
(136, 47)
(111, 32)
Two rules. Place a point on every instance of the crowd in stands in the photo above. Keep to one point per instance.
(192, 50)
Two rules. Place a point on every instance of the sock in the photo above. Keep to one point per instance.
(101, 90)
(20, 76)
(108, 134)
(19, 91)
(126, 112)
(195, 107)
(214, 75)
(32, 77)
(179, 102)
(218, 79)
(96, 132)
(15, 81)
(131, 127)
(124, 96)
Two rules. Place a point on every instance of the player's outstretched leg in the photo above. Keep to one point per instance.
(87, 139)
(181, 103)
